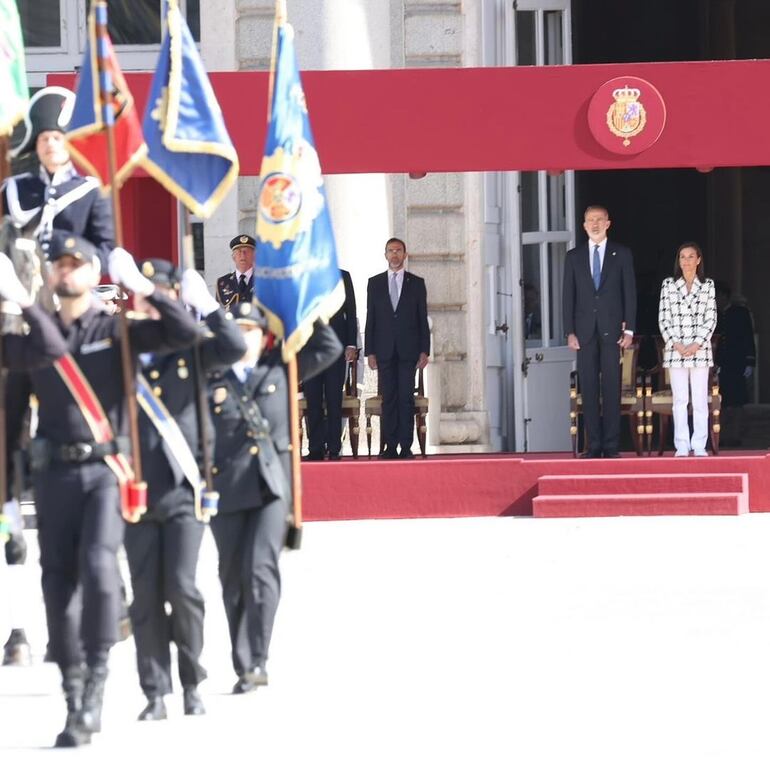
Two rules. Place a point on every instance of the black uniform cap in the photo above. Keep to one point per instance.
(249, 314)
(161, 272)
(242, 240)
(50, 109)
(64, 243)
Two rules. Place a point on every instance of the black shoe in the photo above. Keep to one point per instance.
(590, 455)
(611, 455)
(389, 454)
(406, 454)
(16, 651)
(154, 711)
(193, 705)
(335, 456)
(72, 735)
(249, 681)
(314, 456)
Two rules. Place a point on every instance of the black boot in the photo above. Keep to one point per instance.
(154, 710)
(73, 735)
(16, 651)
(90, 718)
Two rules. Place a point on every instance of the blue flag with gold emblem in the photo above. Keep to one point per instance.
(296, 277)
(188, 148)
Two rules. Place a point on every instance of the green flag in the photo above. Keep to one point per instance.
(14, 93)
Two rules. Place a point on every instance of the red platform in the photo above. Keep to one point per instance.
(507, 484)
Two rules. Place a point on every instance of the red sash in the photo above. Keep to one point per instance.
(94, 415)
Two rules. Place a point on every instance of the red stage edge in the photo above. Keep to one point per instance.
(449, 486)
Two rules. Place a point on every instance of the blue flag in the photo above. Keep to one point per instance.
(297, 280)
(188, 148)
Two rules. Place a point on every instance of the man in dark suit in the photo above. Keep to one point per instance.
(324, 431)
(238, 286)
(599, 299)
(397, 342)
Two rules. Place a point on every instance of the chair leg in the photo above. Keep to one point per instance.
(354, 430)
(633, 421)
(421, 430)
(663, 433)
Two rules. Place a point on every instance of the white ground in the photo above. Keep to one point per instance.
(471, 643)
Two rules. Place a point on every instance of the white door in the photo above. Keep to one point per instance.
(544, 215)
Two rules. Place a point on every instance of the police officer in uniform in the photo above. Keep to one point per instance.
(249, 403)
(77, 495)
(238, 286)
(163, 547)
(56, 196)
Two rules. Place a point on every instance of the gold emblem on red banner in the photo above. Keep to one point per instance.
(626, 116)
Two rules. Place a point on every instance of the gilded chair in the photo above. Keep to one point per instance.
(351, 407)
(373, 408)
(632, 399)
(661, 402)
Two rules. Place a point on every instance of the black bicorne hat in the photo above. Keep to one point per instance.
(50, 109)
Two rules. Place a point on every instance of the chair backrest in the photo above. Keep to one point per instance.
(351, 377)
(628, 365)
(660, 347)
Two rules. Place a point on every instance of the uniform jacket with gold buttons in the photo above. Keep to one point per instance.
(170, 376)
(245, 472)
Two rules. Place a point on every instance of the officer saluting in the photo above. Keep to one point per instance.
(249, 402)
(238, 286)
(76, 480)
(163, 547)
(56, 196)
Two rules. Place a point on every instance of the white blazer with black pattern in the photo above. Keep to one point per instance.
(687, 318)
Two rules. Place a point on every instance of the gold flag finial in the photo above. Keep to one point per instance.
(280, 11)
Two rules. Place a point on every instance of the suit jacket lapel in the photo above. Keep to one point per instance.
(609, 261)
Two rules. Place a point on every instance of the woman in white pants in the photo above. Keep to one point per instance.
(687, 317)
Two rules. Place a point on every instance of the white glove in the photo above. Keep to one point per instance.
(11, 288)
(748, 371)
(196, 294)
(123, 270)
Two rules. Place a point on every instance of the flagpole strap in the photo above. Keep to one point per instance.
(171, 435)
(132, 502)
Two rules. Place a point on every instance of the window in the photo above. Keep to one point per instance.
(40, 23)
(138, 22)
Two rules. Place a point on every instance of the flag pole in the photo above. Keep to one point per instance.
(210, 497)
(138, 498)
(294, 533)
(4, 173)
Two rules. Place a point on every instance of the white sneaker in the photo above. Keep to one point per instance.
(681, 453)
(700, 453)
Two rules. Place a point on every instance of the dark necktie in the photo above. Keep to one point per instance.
(242, 288)
(597, 268)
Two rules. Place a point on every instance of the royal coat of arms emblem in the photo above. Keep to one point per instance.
(626, 116)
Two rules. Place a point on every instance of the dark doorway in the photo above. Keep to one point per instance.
(725, 210)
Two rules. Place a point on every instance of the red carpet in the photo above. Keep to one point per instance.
(507, 484)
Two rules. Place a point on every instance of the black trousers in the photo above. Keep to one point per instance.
(598, 363)
(249, 543)
(396, 378)
(80, 529)
(162, 554)
(325, 431)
